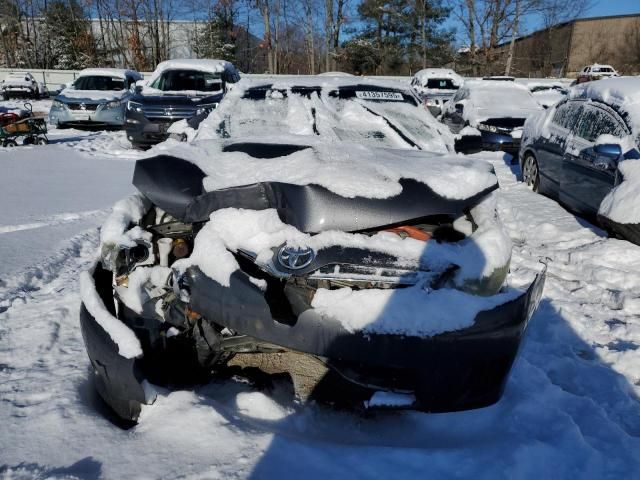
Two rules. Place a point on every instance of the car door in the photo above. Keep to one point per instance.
(586, 179)
(550, 149)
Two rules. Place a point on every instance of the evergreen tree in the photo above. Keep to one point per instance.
(70, 43)
(217, 38)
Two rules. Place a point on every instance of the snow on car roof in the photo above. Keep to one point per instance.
(427, 73)
(203, 64)
(109, 72)
(621, 93)
(286, 82)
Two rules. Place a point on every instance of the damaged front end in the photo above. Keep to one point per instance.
(241, 281)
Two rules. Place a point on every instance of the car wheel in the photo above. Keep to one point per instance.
(9, 144)
(42, 141)
(530, 172)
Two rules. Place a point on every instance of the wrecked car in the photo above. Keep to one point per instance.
(489, 115)
(309, 229)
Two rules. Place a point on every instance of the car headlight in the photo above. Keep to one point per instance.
(134, 106)
(112, 104)
(206, 108)
(58, 104)
(487, 128)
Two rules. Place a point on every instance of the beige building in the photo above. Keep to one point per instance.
(562, 50)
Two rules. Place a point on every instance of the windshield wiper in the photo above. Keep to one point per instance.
(393, 127)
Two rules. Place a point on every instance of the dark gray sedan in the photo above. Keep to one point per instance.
(572, 151)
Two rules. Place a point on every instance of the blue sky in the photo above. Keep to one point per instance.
(600, 8)
(614, 7)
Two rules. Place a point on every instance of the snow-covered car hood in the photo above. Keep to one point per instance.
(93, 96)
(315, 187)
(504, 111)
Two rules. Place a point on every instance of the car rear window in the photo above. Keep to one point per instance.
(441, 83)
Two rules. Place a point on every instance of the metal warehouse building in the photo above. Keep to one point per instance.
(562, 50)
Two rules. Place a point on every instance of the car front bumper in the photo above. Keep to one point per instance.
(500, 142)
(146, 132)
(452, 371)
(101, 117)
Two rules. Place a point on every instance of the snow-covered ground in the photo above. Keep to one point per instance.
(570, 409)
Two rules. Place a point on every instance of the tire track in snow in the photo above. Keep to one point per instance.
(52, 220)
(67, 262)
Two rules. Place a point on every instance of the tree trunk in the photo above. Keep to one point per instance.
(512, 44)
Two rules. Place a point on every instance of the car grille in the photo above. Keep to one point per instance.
(161, 112)
(90, 107)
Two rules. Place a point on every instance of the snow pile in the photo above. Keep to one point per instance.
(127, 342)
(407, 311)
(347, 169)
(126, 212)
(622, 203)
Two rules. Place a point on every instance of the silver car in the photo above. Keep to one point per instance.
(97, 98)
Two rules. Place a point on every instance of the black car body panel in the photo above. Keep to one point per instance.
(472, 364)
(117, 379)
(175, 185)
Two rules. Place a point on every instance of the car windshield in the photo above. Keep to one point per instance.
(99, 82)
(188, 80)
(441, 83)
(384, 118)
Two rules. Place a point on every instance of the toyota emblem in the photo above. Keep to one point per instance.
(294, 258)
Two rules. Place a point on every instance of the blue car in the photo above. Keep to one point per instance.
(97, 98)
(489, 114)
(572, 151)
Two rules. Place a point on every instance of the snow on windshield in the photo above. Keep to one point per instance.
(339, 114)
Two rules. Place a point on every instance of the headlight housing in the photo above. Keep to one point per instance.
(487, 128)
(112, 104)
(206, 108)
(134, 106)
(58, 104)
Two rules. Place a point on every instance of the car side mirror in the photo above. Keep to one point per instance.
(139, 86)
(608, 150)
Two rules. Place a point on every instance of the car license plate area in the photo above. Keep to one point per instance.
(379, 95)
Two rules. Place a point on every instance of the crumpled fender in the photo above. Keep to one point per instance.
(119, 380)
